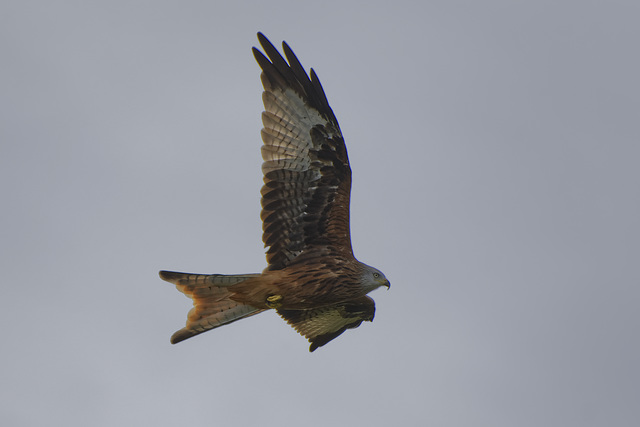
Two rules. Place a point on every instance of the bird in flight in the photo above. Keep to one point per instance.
(312, 280)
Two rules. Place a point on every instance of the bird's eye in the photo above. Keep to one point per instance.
(376, 275)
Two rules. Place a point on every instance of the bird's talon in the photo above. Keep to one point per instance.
(274, 301)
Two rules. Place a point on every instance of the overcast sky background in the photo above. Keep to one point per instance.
(495, 147)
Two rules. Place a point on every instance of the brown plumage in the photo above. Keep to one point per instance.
(312, 278)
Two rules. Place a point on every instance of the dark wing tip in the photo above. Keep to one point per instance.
(291, 73)
(321, 340)
(262, 38)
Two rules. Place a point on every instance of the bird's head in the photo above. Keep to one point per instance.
(372, 278)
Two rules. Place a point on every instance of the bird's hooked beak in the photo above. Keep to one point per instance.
(388, 285)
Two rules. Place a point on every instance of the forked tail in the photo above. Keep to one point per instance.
(212, 305)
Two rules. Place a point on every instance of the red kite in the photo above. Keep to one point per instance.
(312, 279)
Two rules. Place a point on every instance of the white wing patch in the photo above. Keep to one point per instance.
(286, 135)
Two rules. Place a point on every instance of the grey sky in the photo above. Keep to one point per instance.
(495, 149)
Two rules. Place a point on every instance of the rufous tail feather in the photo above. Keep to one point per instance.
(212, 306)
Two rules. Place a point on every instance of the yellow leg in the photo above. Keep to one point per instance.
(274, 301)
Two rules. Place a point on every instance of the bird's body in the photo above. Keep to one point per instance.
(315, 285)
(312, 278)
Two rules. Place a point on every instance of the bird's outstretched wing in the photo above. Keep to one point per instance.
(323, 324)
(307, 178)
